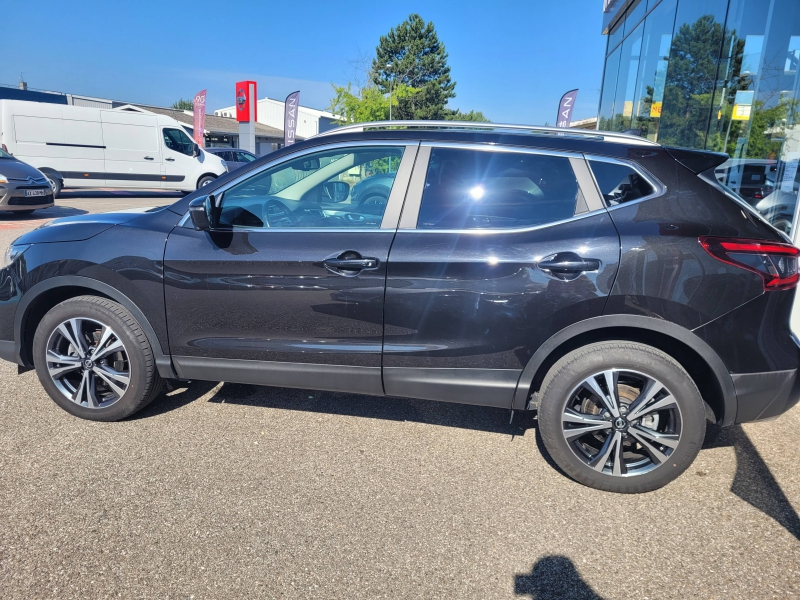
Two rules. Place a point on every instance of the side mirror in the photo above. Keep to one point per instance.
(200, 210)
(309, 164)
(336, 191)
(195, 150)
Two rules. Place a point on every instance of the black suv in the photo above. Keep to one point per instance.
(611, 284)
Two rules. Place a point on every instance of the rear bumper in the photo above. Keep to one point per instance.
(763, 396)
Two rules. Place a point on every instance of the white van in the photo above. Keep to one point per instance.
(79, 147)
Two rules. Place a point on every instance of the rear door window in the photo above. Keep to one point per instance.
(478, 189)
(619, 183)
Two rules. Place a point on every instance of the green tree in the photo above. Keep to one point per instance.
(411, 55)
(473, 115)
(691, 81)
(366, 103)
(183, 105)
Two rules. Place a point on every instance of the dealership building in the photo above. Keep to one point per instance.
(721, 75)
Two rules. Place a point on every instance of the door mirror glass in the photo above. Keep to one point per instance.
(335, 191)
(309, 164)
(195, 150)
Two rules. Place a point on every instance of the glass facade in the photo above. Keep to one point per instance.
(723, 75)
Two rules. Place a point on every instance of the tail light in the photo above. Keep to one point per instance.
(775, 262)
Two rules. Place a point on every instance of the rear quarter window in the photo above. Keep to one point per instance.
(620, 183)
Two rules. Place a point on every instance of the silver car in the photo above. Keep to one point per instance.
(23, 188)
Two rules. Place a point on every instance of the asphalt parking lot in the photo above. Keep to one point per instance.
(229, 491)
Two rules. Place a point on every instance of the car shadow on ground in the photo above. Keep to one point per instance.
(553, 578)
(493, 420)
(753, 482)
(107, 193)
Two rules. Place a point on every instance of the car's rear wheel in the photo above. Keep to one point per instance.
(621, 416)
(94, 360)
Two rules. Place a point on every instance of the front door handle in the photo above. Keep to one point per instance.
(170, 159)
(567, 265)
(149, 158)
(350, 263)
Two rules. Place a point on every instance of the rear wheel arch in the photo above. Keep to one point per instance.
(46, 294)
(691, 352)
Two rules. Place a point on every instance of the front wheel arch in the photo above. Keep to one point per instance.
(43, 296)
(210, 176)
(692, 353)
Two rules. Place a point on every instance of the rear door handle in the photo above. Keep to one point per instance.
(149, 158)
(351, 263)
(575, 266)
(567, 266)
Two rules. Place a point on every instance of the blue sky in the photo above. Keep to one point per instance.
(511, 60)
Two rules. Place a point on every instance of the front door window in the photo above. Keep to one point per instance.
(340, 188)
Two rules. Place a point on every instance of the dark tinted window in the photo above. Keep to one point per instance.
(619, 183)
(226, 155)
(177, 140)
(474, 189)
(245, 157)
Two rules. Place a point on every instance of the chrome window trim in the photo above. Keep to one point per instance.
(408, 220)
(302, 230)
(394, 205)
(507, 231)
(586, 183)
(410, 214)
(660, 188)
(406, 144)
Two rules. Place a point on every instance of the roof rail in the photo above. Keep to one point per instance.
(622, 138)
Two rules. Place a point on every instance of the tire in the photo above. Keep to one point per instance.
(671, 422)
(124, 353)
(55, 183)
(205, 180)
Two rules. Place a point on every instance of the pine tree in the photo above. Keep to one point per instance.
(412, 55)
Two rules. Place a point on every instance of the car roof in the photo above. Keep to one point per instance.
(223, 149)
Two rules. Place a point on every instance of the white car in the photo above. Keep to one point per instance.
(79, 147)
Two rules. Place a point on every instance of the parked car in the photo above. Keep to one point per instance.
(79, 147)
(751, 178)
(233, 157)
(23, 189)
(609, 283)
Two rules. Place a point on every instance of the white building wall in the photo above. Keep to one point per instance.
(270, 112)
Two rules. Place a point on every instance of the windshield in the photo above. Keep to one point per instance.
(4, 154)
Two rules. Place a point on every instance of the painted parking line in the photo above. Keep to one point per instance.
(22, 224)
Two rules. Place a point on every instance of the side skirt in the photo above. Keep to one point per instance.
(483, 387)
(332, 378)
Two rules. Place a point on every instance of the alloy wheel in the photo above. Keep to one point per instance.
(622, 422)
(88, 363)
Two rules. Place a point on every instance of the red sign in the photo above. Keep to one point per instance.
(246, 102)
(200, 118)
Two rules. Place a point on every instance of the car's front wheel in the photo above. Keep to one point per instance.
(205, 180)
(621, 416)
(94, 360)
